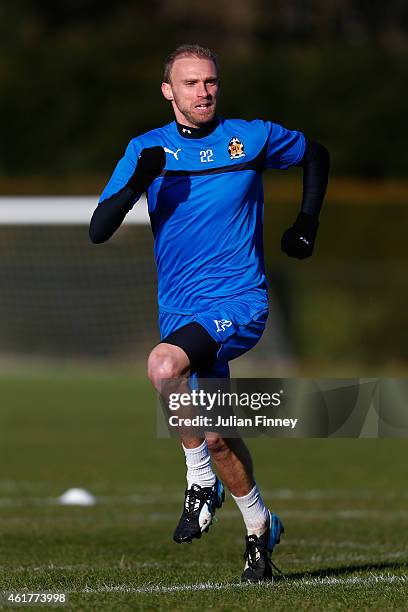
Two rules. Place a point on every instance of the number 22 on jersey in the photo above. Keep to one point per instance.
(206, 156)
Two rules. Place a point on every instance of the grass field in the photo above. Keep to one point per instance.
(344, 504)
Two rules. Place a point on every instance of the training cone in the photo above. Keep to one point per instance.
(77, 497)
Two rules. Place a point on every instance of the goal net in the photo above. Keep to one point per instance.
(62, 296)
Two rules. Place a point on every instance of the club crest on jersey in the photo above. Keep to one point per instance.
(235, 148)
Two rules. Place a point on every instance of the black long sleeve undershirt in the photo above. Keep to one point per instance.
(315, 163)
(109, 215)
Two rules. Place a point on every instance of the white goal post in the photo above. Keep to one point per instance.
(60, 210)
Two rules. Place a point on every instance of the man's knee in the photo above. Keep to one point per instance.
(166, 362)
(217, 445)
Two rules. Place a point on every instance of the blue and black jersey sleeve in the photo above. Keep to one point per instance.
(117, 199)
(284, 148)
(123, 172)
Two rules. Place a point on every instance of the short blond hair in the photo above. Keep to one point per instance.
(187, 51)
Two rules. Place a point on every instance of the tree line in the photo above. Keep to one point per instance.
(78, 78)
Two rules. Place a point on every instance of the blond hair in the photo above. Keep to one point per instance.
(187, 51)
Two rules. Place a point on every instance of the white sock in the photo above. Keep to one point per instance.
(254, 512)
(199, 470)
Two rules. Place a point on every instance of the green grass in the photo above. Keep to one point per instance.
(344, 504)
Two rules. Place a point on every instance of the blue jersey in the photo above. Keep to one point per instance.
(206, 208)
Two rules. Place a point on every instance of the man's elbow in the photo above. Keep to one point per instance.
(324, 153)
(97, 231)
(109, 215)
(96, 237)
(317, 153)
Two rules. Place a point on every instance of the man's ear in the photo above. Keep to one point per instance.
(167, 91)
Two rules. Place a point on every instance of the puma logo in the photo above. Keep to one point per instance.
(172, 152)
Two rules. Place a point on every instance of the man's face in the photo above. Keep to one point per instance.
(193, 90)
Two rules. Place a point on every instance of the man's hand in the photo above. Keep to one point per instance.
(298, 241)
(150, 164)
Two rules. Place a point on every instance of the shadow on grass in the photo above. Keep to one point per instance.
(341, 571)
